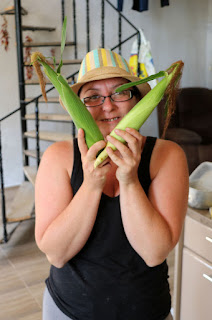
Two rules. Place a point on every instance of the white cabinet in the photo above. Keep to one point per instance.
(196, 280)
(196, 289)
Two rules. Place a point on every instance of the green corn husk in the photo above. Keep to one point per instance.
(81, 116)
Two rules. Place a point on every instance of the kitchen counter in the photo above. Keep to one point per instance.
(202, 216)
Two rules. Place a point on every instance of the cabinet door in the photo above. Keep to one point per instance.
(198, 238)
(196, 290)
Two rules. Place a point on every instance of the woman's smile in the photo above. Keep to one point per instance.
(111, 120)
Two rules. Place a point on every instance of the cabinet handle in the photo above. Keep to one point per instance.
(208, 239)
(207, 277)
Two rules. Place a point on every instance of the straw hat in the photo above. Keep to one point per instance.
(102, 64)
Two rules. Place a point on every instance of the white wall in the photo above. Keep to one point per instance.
(209, 48)
(179, 31)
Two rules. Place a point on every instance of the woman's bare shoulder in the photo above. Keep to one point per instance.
(61, 147)
(167, 153)
(169, 145)
(58, 155)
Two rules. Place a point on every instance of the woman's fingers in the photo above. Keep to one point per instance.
(134, 133)
(114, 157)
(133, 139)
(92, 152)
(94, 149)
(81, 142)
(135, 147)
(95, 178)
(129, 153)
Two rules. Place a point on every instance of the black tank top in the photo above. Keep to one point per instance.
(107, 279)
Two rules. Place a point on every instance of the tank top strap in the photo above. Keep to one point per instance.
(77, 173)
(144, 167)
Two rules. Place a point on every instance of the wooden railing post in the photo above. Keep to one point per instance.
(88, 24)
(3, 205)
(21, 80)
(37, 132)
(103, 23)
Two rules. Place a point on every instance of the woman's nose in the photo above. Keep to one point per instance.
(108, 104)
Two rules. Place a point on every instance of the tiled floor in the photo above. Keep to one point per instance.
(23, 269)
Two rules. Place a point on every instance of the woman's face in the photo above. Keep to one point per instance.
(109, 114)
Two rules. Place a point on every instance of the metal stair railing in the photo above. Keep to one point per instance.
(24, 104)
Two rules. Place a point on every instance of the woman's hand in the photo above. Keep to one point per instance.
(129, 155)
(93, 178)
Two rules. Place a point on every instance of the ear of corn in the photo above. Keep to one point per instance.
(79, 113)
(74, 106)
(142, 110)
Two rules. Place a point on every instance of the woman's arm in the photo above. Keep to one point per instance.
(152, 224)
(64, 222)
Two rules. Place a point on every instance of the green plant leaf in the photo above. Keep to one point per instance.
(131, 84)
(54, 61)
(63, 42)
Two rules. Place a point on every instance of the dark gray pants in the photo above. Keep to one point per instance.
(52, 312)
(50, 309)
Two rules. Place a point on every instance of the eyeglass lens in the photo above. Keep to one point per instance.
(117, 97)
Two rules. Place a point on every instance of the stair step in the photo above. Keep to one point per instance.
(41, 100)
(49, 117)
(22, 206)
(65, 62)
(46, 44)
(10, 229)
(30, 173)
(33, 82)
(49, 135)
(32, 28)
(11, 10)
(32, 153)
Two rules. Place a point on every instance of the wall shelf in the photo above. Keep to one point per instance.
(11, 10)
(31, 28)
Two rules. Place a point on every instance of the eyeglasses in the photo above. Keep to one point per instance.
(95, 101)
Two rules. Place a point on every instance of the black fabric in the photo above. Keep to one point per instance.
(164, 3)
(120, 5)
(107, 279)
(140, 5)
(143, 5)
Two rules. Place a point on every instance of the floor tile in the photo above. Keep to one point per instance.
(37, 292)
(33, 273)
(22, 255)
(34, 316)
(9, 280)
(17, 304)
(3, 260)
(23, 234)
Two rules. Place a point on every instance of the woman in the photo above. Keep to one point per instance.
(107, 231)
